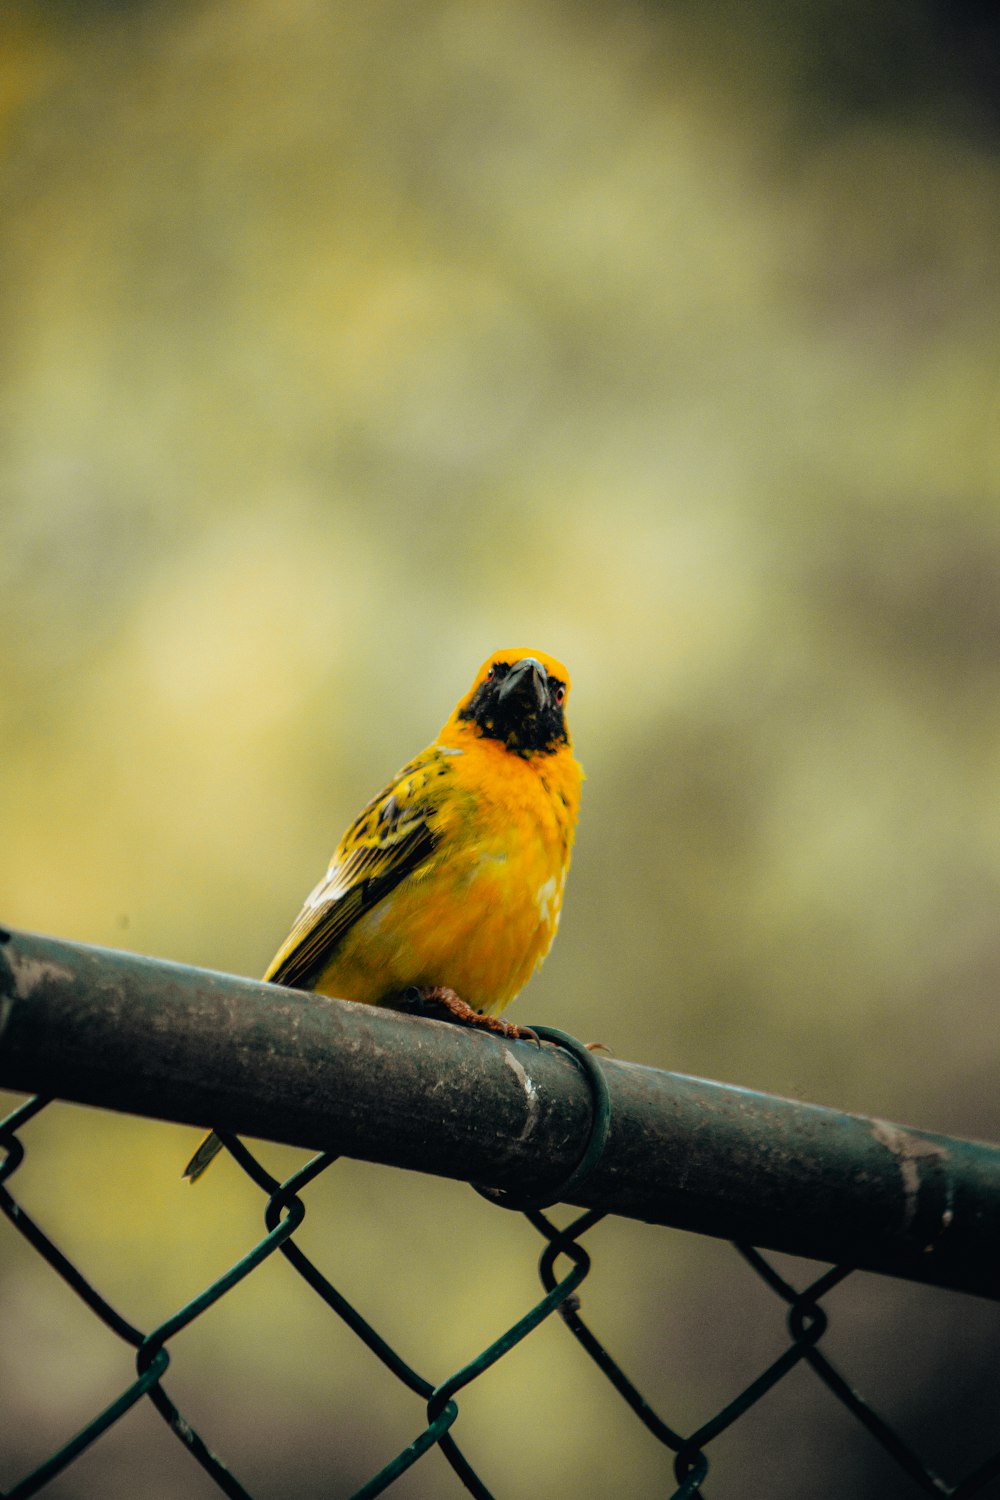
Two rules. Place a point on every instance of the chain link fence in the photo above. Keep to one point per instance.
(564, 1265)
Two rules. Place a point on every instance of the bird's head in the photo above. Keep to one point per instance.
(519, 697)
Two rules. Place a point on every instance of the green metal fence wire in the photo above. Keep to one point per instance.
(284, 1210)
(68, 1010)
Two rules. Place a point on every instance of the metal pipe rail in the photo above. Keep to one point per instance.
(128, 1033)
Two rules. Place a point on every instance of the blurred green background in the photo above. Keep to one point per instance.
(339, 346)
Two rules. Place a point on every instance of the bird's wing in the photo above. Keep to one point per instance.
(389, 840)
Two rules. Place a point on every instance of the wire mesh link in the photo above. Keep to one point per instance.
(283, 1213)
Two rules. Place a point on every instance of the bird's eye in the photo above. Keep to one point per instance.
(560, 694)
(491, 674)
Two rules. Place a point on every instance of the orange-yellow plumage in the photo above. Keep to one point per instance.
(453, 876)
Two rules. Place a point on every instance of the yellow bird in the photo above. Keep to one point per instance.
(445, 891)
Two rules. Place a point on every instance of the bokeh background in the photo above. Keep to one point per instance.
(340, 345)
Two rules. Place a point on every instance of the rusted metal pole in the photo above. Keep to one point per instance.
(152, 1038)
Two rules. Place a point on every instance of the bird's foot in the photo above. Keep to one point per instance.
(442, 1003)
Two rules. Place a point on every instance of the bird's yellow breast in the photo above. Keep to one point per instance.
(481, 912)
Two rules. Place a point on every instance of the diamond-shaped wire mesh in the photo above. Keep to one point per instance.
(564, 1265)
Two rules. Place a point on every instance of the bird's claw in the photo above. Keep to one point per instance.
(442, 1003)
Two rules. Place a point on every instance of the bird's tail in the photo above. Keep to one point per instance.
(203, 1157)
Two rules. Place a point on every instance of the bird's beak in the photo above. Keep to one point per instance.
(527, 678)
